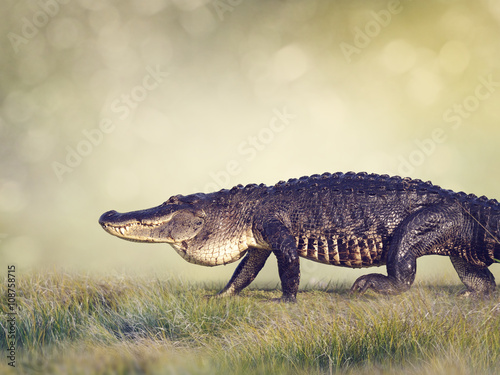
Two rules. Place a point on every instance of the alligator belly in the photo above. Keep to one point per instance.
(347, 251)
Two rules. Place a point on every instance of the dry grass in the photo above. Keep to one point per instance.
(74, 324)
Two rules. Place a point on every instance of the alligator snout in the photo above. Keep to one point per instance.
(105, 217)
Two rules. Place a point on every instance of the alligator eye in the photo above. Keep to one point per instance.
(172, 200)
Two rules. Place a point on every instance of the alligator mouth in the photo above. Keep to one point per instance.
(123, 226)
(126, 227)
(117, 229)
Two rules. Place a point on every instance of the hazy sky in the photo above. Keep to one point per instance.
(121, 104)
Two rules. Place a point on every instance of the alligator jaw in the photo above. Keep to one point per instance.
(129, 227)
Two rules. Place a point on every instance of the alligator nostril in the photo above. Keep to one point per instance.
(105, 216)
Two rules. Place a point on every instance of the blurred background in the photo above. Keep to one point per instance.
(121, 104)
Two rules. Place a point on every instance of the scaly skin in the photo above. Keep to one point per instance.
(350, 220)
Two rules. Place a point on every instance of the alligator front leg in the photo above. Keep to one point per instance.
(417, 235)
(284, 247)
(246, 272)
(289, 272)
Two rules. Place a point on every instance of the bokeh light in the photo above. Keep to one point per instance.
(119, 105)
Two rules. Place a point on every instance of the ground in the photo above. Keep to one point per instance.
(76, 324)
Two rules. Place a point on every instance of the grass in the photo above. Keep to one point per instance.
(75, 324)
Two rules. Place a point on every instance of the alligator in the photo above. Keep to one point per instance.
(344, 219)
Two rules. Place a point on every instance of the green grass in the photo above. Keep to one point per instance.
(74, 324)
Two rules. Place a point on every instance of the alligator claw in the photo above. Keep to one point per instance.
(360, 286)
(379, 283)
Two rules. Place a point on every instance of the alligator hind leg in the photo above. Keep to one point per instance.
(478, 280)
(417, 235)
(246, 271)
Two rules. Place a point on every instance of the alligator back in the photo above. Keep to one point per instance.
(349, 219)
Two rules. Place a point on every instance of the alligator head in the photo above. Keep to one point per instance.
(188, 223)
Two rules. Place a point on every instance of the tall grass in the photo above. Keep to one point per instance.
(74, 324)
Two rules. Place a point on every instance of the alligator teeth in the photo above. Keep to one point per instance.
(122, 230)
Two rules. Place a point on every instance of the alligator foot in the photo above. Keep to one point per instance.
(467, 293)
(379, 283)
(223, 294)
(220, 295)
